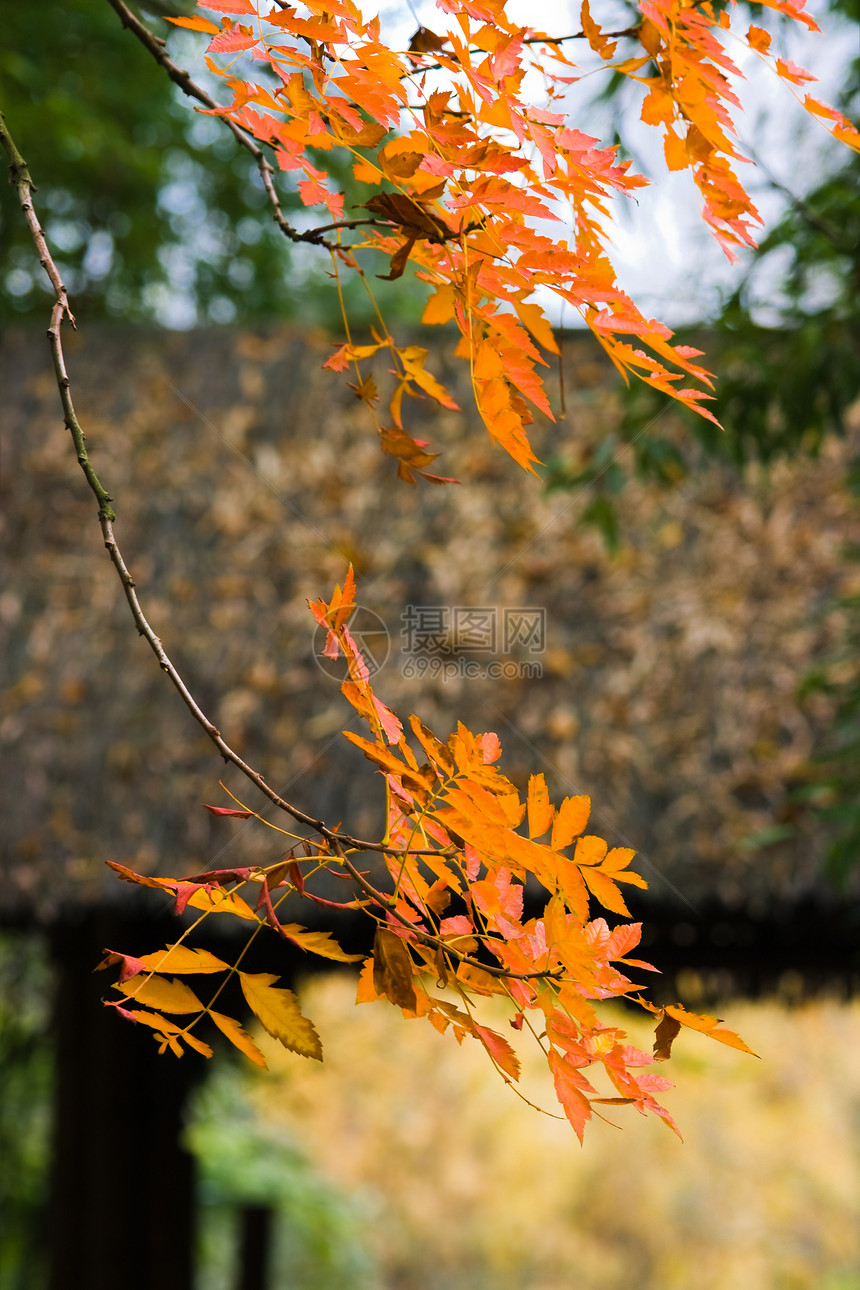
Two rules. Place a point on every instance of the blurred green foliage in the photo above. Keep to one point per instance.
(835, 793)
(26, 1063)
(319, 1237)
(152, 209)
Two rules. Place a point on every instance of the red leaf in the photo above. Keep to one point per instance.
(229, 6)
(500, 1051)
(230, 42)
(184, 892)
(130, 966)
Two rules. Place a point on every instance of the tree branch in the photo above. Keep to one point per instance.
(156, 47)
(529, 40)
(19, 177)
(425, 938)
(61, 311)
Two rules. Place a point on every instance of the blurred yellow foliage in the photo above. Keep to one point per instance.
(764, 1194)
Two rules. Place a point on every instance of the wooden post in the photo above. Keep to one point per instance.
(122, 1210)
(254, 1249)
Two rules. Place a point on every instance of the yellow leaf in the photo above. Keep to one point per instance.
(616, 864)
(477, 979)
(570, 819)
(534, 318)
(196, 24)
(412, 359)
(631, 65)
(365, 171)
(659, 106)
(435, 750)
(484, 806)
(617, 858)
(633, 879)
(158, 992)
(238, 1036)
(488, 362)
(571, 887)
(367, 136)
(555, 921)
(197, 1044)
(564, 937)
(278, 1009)
(524, 856)
(217, 900)
(367, 992)
(440, 307)
(170, 1032)
(181, 958)
(758, 38)
(577, 1007)
(321, 943)
(378, 754)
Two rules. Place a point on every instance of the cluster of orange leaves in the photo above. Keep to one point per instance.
(497, 203)
(463, 855)
(491, 197)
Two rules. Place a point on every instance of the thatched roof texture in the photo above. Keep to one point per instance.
(245, 478)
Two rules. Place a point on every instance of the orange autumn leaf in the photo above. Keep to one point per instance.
(758, 38)
(495, 202)
(540, 810)
(500, 1050)
(168, 1032)
(575, 1104)
(590, 850)
(571, 818)
(709, 1026)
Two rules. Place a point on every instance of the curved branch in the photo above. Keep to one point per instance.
(61, 312)
(157, 48)
(19, 178)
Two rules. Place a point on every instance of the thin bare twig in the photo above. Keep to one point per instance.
(156, 47)
(543, 39)
(60, 313)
